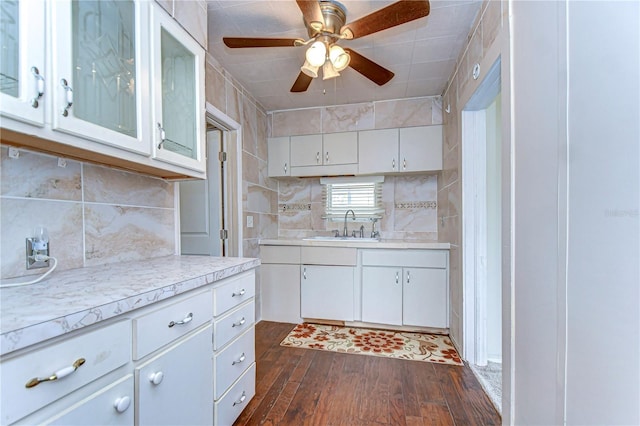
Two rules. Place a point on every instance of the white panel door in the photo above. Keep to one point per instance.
(327, 292)
(420, 148)
(382, 295)
(425, 297)
(378, 151)
(175, 387)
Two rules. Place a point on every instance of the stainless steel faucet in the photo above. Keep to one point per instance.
(374, 233)
(345, 233)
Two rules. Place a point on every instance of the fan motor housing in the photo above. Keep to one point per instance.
(334, 15)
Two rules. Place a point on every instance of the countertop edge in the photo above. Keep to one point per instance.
(23, 337)
(395, 244)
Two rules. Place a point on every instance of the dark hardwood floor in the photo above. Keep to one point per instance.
(304, 386)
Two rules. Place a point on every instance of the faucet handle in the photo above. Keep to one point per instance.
(336, 232)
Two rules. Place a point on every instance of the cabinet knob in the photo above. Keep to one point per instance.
(241, 400)
(186, 320)
(39, 86)
(57, 375)
(122, 404)
(68, 96)
(156, 378)
(239, 360)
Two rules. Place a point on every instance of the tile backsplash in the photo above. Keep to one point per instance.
(409, 202)
(94, 214)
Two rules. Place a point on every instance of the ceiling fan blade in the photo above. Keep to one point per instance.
(374, 72)
(312, 13)
(236, 42)
(397, 13)
(302, 83)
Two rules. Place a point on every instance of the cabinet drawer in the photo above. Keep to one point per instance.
(233, 324)
(229, 364)
(233, 292)
(405, 258)
(280, 254)
(155, 329)
(229, 407)
(103, 350)
(344, 256)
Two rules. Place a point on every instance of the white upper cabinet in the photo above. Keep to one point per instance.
(278, 155)
(340, 148)
(177, 75)
(328, 154)
(409, 149)
(306, 150)
(98, 64)
(22, 61)
(420, 149)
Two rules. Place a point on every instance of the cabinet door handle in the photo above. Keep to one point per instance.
(318, 157)
(326, 157)
(239, 323)
(239, 360)
(397, 278)
(240, 293)
(156, 378)
(304, 273)
(122, 404)
(186, 320)
(163, 135)
(241, 400)
(68, 96)
(393, 164)
(408, 277)
(404, 164)
(285, 168)
(39, 86)
(57, 375)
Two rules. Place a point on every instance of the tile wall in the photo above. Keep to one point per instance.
(94, 214)
(485, 31)
(410, 201)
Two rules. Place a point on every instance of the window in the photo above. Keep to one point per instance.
(363, 195)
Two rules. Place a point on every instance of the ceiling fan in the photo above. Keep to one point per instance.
(325, 23)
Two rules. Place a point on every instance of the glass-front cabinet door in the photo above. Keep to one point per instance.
(177, 76)
(22, 60)
(98, 67)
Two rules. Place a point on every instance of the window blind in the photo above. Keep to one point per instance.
(362, 195)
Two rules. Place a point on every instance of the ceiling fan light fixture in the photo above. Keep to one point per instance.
(339, 58)
(316, 54)
(309, 69)
(329, 71)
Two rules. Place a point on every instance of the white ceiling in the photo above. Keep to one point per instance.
(421, 53)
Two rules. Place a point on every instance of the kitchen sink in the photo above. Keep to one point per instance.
(343, 239)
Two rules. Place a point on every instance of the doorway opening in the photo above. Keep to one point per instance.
(482, 233)
(210, 209)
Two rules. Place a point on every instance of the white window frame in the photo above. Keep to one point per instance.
(336, 188)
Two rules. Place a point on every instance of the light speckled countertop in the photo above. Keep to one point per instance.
(76, 298)
(394, 244)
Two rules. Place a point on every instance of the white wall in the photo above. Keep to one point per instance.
(574, 104)
(603, 323)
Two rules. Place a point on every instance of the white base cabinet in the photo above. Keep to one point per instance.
(280, 283)
(327, 292)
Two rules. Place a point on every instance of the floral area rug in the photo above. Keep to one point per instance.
(391, 344)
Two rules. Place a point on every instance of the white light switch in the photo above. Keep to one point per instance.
(249, 221)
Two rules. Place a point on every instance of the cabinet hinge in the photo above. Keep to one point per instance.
(223, 234)
(222, 156)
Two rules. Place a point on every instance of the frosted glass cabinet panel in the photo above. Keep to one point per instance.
(97, 66)
(178, 92)
(22, 47)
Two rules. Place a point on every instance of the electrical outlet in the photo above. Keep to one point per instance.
(34, 247)
(249, 221)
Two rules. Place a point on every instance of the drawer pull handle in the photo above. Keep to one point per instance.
(186, 320)
(241, 359)
(122, 404)
(239, 323)
(240, 293)
(156, 378)
(241, 400)
(57, 375)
